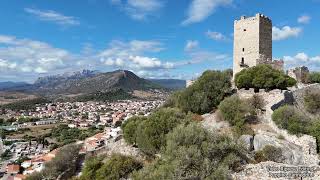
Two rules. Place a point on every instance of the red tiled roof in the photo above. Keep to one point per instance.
(13, 168)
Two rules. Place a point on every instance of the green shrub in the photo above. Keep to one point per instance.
(91, 165)
(269, 153)
(204, 95)
(118, 167)
(287, 117)
(149, 133)
(129, 128)
(194, 153)
(64, 162)
(312, 101)
(314, 77)
(263, 77)
(314, 130)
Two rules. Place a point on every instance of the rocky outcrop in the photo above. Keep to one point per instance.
(298, 151)
(291, 153)
(247, 141)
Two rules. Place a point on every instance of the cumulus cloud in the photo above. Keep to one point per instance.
(304, 19)
(130, 55)
(120, 49)
(285, 32)
(217, 36)
(7, 65)
(201, 9)
(25, 55)
(139, 9)
(302, 59)
(191, 45)
(52, 16)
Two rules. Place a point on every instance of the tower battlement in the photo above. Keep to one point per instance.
(257, 16)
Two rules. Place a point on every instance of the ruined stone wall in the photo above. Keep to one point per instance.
(298, 96)
(299, 73)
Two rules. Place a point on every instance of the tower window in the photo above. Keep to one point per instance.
(242, 49)
(242, 60)
(244, 29)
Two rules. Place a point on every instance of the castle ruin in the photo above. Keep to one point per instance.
(253, 43)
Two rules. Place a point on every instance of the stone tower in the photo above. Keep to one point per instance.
(252, 42)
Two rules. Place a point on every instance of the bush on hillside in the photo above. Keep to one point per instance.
(65, 163)
(234, 110)
(314, 77)
(312, 102)
(91, 165)
(240, 113)
(149, 133)
(256, 102)
(269, 153)
(130, 127)
(116, 167)
(263, 77)
(205, 94)
(194, 153)
(287, 117)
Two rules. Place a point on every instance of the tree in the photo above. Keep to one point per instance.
(194, 153)
(263, 77)
(205, 94)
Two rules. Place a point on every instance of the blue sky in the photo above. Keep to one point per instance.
(153, 38)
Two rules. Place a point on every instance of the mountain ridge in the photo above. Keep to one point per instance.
(86, 82)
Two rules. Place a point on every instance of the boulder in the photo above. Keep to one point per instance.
(247, 141)
(292, 153)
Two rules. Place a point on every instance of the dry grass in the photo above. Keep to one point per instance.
(34, 131)
(9, 97)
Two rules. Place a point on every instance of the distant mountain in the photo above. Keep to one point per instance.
(170, 83)
(10, 85)
(90, 82)
(61, 80)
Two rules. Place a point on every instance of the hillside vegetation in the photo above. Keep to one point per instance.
(205, 94)
(263, 77)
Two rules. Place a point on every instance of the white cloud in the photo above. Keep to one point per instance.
(149, 63)
(201, 9)
(304, 19)
(191, 45)
(52, 16)
(217, 36)
(302, 59)
(131, 55)
(4, 64)
(285, 32)
(120, 49)
(27, 55)
(139, 9)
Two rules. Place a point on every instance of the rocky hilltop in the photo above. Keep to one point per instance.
(298, 151)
